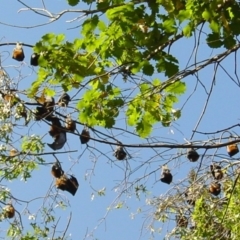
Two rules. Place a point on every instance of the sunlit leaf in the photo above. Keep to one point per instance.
(177, 88)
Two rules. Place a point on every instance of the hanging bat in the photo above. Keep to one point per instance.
(57, 171)
(13, 152)
(190, 199)
(85, 136)
(215, 188)
(67, 184)
(59, 141)
(70, 125)
(192, 155)
(40, 113)
(49, 103)
(119, 153)
(46, 110)
(9, 211)
(64, 100)
(216, 171)
(56, 127)
(46, 101)
(34, 59)
(182, 221)
(10, 97)
(166, 175)
(23, 113)
(61, 183)
(18, 53)
(58, 133)
(232, 149)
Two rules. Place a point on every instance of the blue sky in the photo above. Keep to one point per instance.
(93, 170)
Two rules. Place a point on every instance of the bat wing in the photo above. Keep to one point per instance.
(59, 141)
(72, 185)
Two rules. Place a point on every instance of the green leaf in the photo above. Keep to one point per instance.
(73, 2)
(169, 25)
(120, 12)
(187, 31)
(234, 26)
(49, 92)
(49, 37)
(43, 62)
(177, 88)
(229, 42)
(214, 26)
(90, 25)
(167, 65)
(156, 82)
(144, 128)
(88, 1)
(168, 5)
(102, 26)
(103, 4)
(133, 113)
(144, 87)
(148, 69)
(32, 143)
(184, 15)
(214, 41)
(171, 69)
(135, 68)
(109, 122)
(60, 38)
(206, 15)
